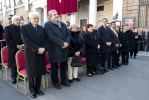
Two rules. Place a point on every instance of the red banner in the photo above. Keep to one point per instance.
(63, 6)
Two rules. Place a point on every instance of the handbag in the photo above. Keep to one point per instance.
(76, 61)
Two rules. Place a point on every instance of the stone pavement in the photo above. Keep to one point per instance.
(127, 83)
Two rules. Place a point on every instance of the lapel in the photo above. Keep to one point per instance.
(103, 29)
(36, 33)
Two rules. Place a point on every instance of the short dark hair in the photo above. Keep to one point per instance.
(89, 25)
(113, 22)
(105, 19)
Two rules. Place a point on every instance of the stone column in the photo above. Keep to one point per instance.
(93, 12)
(73, 18)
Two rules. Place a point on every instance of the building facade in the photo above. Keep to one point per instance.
(137, 10)
(89, 11)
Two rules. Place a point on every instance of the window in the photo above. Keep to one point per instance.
(7, 3)
(100, 8)
(0, 6)
(144, 13)
(83, 22)
(19, 2)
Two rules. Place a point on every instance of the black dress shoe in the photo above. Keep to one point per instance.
(33, 95)
(110, 68)
(57, 86)
(66, 84)
(77, 79)
(106, 70)
(39, 92)
(70, 81)
(13, 81)
(115, 67)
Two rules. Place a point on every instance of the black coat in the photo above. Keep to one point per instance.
(91, 51)
(115, 40)
(120, 36)
(135, 43)
(33, 40)
(56, 37)
(1, 31)
(127, 39)
(76, 44)
(105, 35)
(82, 35)
(12, 38)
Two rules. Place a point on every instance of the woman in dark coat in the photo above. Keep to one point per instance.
(91, 50)
(33, 36)
(134, 44)
(76, 48)
(119, 51)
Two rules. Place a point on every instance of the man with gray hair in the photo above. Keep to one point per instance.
(14, 43)
(58, 40)
(33, 36)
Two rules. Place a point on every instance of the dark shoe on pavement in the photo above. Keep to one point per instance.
(70, 81)
(39, 92)
(57, 86)
(115, 67)
(106, 70)
(66, 84)
(77, 79)
(33, 95)
(13, 81)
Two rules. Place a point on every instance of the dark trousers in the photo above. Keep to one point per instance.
(146, 45)
(91, 69)
(111, 56)
(142, 46)
(133, 54)
(103, 59)
(54, 72)
(125, 57)
(117, 56)
(34, 83)
(13, 73)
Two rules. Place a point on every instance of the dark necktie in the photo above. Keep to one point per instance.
(36, 28)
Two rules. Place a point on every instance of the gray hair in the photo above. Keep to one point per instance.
(32, 13)
(15, 17)
(50, 12)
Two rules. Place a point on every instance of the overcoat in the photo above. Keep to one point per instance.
(56, 37)
(127, 40)
(91, 51)
(12, 38)
(33, 40)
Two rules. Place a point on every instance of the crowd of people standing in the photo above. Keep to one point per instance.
(105, 48)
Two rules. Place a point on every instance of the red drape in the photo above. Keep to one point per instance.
(63, 7)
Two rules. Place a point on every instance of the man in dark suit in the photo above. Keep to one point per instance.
(14, 43)
(58, 40)
(105, 38)
(33, 36)
(127, 38)
(114, 46)
(142, 44)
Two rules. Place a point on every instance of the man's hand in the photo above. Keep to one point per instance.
(120, 45)
(19, 47)
(77, 53)
(65, 44)
(116, 45)
(98, 46)
(108, 43)
(63, 47)
(41, 50)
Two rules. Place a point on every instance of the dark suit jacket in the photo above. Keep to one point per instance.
(12, 38)
(35, 63)
(56, 37)
(115, 40)
(105, 35)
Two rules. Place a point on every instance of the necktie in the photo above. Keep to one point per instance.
(36, 28)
